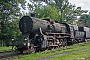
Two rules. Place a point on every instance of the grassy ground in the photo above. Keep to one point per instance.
(5, 48)
(56, 51)
(84, 55)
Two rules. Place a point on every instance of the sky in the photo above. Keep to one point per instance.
(84, 4)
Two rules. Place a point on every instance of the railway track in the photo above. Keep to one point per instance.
(8, 55)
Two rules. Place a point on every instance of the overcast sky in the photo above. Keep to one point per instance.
(84, 4)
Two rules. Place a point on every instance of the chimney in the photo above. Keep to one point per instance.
(33, 15)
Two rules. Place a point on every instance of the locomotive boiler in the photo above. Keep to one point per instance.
(31, 24)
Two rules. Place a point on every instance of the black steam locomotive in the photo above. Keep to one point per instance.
(44, 34)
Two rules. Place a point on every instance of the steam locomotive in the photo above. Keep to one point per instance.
(41, 34)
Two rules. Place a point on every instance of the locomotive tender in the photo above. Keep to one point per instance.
(44, 34)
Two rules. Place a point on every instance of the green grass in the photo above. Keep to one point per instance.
(54, 52)
(5, 48)
(84, 55)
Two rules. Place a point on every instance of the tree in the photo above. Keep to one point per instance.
(85, 20)
(67, 12)
(9, 11)
(47, 12)
(71, 12)
(60, 6)
(35, 4)
(66, 9)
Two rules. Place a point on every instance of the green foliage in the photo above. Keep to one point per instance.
(85, 20)
(9, 12)
(14, 30)
(47, 12)
(66, 11)
(10, 30)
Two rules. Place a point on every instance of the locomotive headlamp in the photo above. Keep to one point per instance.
(12, 39)
(24, 43)
(25, 39)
